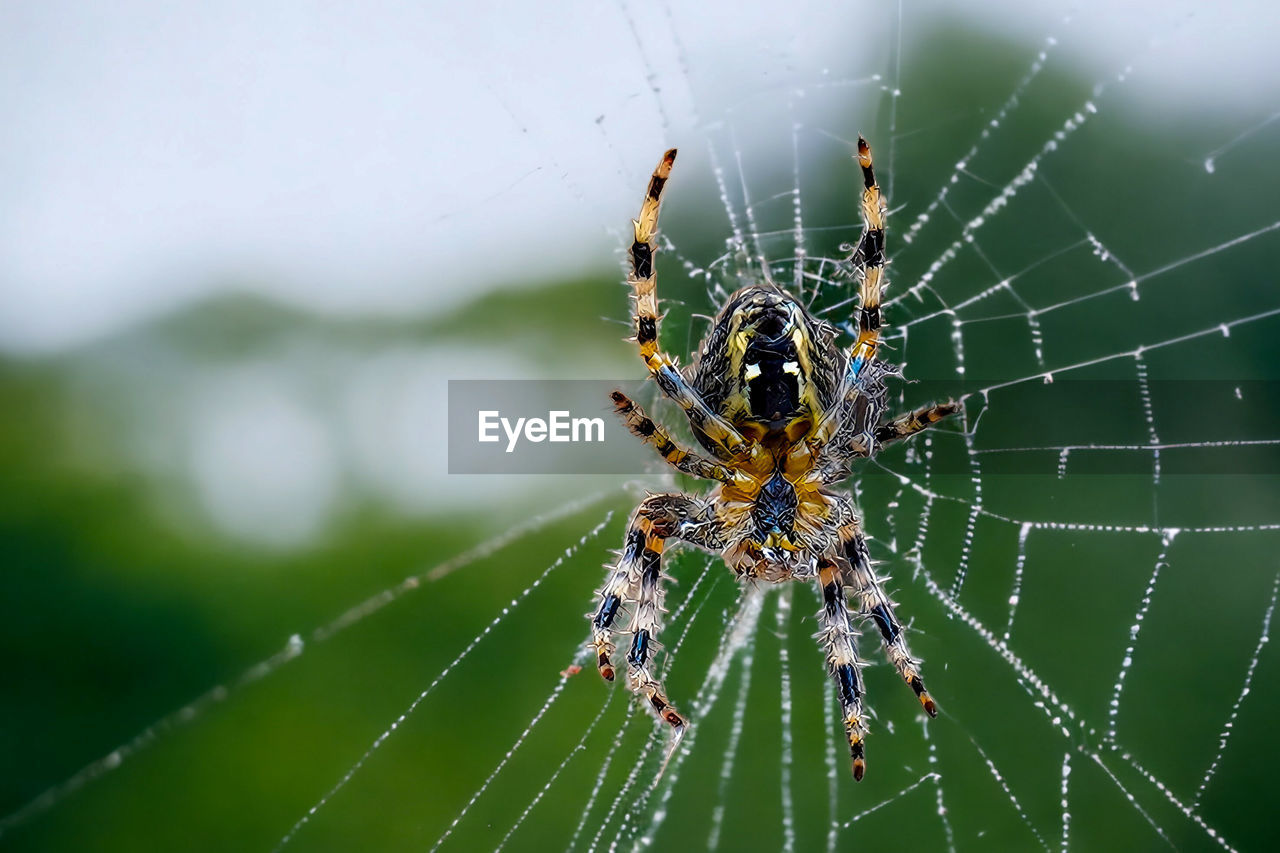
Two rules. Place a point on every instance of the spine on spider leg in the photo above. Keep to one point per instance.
(870, 253)
(837, 637)
(879, 607)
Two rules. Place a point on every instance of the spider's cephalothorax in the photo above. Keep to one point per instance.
(783, 411)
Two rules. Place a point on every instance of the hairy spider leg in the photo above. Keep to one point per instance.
(651, 433)
(838, 639)
(637, 582)
(869, 259)
(879, 608)
(904, 426)
(901, 428)
(644, 283)
(870, 256)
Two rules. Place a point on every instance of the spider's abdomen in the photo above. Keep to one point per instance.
(772, 373)
(767, 365)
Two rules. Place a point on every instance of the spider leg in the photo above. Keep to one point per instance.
(904, 426)
(636, 581)
(676, 456)
(870, 255)
(869, 258)
(644, 283)
(877, 605)
(838, 640)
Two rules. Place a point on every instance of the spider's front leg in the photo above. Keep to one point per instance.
(636, 582)
(644, 284)
(869, 259)
(838, 641)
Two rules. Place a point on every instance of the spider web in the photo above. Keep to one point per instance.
(1091, 594)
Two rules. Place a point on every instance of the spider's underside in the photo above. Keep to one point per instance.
(783, 412)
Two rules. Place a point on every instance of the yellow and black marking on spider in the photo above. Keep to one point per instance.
(783, 411)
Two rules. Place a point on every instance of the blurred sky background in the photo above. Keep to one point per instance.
(244, 246)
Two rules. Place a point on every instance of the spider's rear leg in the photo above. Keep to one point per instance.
(838, 640)
(636, 582)
(876, 604)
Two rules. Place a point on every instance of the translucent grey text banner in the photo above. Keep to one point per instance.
(1122, 427)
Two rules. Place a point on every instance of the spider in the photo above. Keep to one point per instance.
(783, 412)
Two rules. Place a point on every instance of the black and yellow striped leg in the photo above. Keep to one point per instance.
(685, 461)
(636, 582)
(877, 606)
(838, 637)
(905, 426)
(869, 260)
(644, 285)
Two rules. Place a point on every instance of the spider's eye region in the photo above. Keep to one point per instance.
(775, 508)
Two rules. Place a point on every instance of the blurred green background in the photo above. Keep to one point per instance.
(145, 563)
